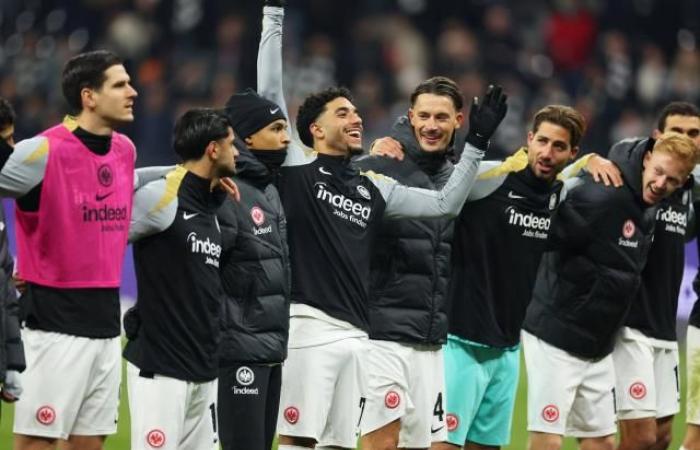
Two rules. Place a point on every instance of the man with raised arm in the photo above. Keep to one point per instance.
(333, 214)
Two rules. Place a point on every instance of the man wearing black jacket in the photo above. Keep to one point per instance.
(598, 244)
(410, 270)
(256, 275)
(646, 351)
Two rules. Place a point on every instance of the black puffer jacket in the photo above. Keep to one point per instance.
(411, 258)
(11, 348)
(598, 244)
(254, 269)
(654, 310)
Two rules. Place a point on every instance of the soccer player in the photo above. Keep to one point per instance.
(173, 329)
(73, 185)
(494, 265)
(598, 243)
(256, 276)
(12, 360)
(333, 214)
(647, 387)
(409, 274)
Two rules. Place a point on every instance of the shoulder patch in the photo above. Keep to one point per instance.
(514, 163)
(372, 175)
(39, 152)
(173, 179)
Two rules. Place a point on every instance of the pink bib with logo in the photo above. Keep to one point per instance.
(78, 237)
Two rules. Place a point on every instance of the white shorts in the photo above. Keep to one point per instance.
(646, 378)
(406, 382)
(568, 395)
(692, 414)
(171, 414)
(71, 386)
(323, 392)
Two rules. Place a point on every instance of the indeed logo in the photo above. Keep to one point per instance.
(205, 247)
(343, 203)
(105, 213)
(527, 220)
(671, 216)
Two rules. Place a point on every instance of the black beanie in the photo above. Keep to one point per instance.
(248, 112)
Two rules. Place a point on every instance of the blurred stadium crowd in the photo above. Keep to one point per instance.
(615, 61)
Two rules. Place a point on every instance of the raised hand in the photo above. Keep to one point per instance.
(485, 115)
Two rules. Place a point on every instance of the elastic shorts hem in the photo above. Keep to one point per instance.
(366, 428)
(95, 432)
(592, 434)
(41, 433)
(693, 422)
(632, 414)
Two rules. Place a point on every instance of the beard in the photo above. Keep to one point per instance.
(226, 171)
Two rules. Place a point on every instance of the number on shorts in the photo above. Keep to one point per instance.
(362, 409)
(212, 408)
(437, 410)
(678, 382)
(614, 401)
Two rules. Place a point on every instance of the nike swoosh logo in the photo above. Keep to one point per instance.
(99, 197)
(188, 216)
(274, 111)
(324, 171)
(435, 430)
(514, 196)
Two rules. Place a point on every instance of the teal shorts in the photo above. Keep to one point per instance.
(481, 383)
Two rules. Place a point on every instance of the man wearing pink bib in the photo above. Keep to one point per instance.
(73, 184)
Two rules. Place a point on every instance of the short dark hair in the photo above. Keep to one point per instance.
(676, 109)
(564, 116)
(195, 129)
(314, 105)
(439, 86)
(7, 114)
(86, 70)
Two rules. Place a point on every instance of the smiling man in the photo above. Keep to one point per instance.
(598, 244)
(646, 351)
(410, 270)
(333, 215)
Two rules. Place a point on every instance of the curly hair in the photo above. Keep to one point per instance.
(314, 105)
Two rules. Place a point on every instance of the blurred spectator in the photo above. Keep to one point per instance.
(615, 61)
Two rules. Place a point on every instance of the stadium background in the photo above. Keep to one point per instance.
(615, 61)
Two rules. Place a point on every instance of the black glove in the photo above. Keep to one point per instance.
(279, 3)
(485, 115)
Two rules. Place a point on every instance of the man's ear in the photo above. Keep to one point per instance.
(317, 131)
(87, 97)
(460, 119)
(212, 150)
(656, 134)
(574, 152)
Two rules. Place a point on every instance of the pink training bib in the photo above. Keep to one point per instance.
(78, 236)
